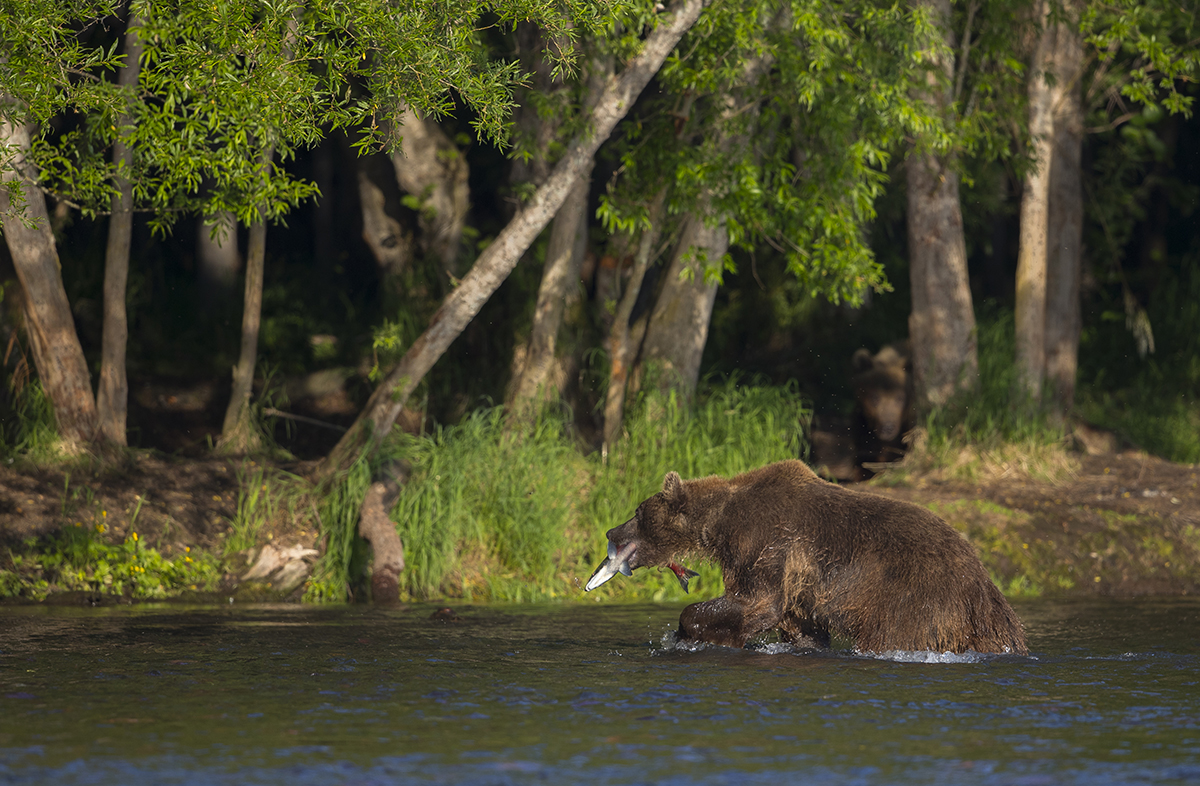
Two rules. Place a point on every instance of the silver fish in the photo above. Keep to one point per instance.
(617, 562)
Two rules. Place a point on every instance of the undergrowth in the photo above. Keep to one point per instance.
(78, 558)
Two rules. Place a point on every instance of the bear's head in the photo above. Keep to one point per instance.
(881, 386)
(660, 529)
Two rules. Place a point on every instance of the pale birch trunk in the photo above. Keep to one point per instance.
(49, 325)
(941, 326)
(1035, 215)
(499, 258)
(1065, 236)
(112, 394)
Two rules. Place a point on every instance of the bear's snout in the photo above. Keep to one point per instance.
(623, 535)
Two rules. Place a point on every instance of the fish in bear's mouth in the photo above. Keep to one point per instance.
(617, 561)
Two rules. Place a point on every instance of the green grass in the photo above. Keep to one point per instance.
(1148, 416)
(30, 431)
(490, 513)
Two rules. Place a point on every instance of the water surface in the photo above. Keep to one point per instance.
(586, 693)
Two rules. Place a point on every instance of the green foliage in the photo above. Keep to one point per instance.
(79, 558)
(781, 118)
(223, 85)
(29, 430)
(44, 58)
(1146, 51)
(1151, 400)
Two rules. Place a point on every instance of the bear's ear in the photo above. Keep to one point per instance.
(862, 360)
(673, 489)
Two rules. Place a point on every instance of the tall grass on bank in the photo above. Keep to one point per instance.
(490, 513)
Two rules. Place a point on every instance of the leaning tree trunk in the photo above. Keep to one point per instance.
(57, 354)
(112, 394)
(678, 327)
(1035, 214)
(502, 255)
(622, 346)
(1065, 239)
(941, 326)
(430, 167)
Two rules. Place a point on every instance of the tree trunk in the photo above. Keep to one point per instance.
(534, 131)
(1035, 213)
(431, 168)
(536, 381)
(678, 327)
(942, 323)
(239, 434)
(499, 258)
(622, 345)
(1064, 264)
(112, 394)
(57, 354)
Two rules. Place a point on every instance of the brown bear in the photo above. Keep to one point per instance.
(883, 402)
(814, 560)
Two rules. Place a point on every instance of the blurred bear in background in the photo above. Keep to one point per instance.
(883, 391)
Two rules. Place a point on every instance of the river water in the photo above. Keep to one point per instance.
(588, 693)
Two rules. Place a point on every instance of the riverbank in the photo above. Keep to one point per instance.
(155, 527)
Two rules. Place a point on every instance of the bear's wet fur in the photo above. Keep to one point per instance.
(883, 394)
(815, 560)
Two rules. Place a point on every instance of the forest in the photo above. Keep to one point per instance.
(437, 291)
